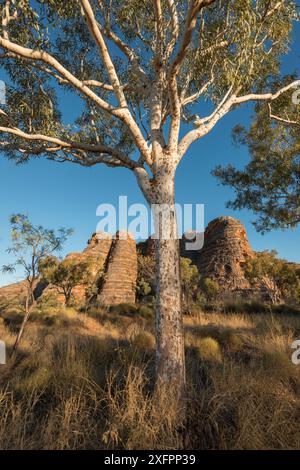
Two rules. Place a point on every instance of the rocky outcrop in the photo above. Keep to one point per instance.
(116, 260)
(98, 245)
(18, 290)
(222, 257)
(224, 253)
(96, 254)
(121, 273)
(12, 291)
(225, 250)
(114, 256)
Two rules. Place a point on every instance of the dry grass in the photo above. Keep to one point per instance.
(82, 382)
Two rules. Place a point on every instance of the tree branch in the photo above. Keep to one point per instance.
(280, 119)
(115, 82)
(97, 35)
(159, 34)
(43, 56)
(194, 9)
(191, 20)
(228, 102)
(190, 99)
(206, 124)
(124, 48)
(267, 96)
(69, 144)
(123, 114)
(175, 27)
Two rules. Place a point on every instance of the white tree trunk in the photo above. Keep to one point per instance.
(170, 362)
(170, 359)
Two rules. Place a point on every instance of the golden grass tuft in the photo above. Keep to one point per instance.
(144, 340)
(209, 349)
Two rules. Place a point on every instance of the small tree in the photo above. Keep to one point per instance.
(65, 275)
(30, 244)
(276, 276)
(189, 280)
(146, 274)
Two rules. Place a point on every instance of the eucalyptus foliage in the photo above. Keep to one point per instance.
(269, 184)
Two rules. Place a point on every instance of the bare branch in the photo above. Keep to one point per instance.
(159, 34)
(96, 33)
(192, 98)
(267, 96)
(175, 27)
(156, 92)
(115, 82)
(59, 78)
(124, 48)
(7, 18)
(194, 9)
(144, 182)
(204, 125)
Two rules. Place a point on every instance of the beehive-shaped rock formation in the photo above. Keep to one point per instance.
(115, 256)
(121, 274)
(98, 245)
(224, 253)
(225, 250)
(95, 253)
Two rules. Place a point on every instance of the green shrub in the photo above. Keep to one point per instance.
(143, 289)
(200, 300)
(228, 339)
(13, 319)
(49, 300)
(210, 288)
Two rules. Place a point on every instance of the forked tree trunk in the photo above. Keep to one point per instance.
(170, 359)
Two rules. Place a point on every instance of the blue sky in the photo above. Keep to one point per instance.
(56, 195)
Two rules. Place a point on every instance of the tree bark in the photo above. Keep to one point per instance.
(170, 358)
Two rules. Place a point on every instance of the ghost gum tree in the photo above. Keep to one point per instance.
(142, 69)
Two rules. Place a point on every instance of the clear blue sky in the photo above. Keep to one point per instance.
(56, 195)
